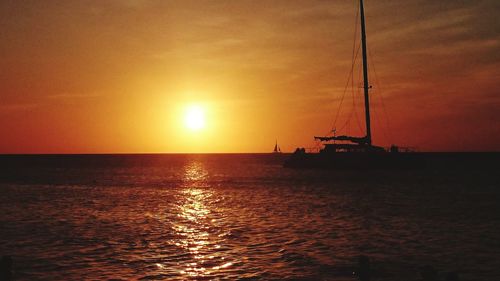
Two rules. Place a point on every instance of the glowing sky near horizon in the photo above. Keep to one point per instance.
(116, 76)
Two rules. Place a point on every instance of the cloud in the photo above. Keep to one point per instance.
(73, 96)
(15, 108)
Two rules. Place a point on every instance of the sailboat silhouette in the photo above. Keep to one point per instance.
(346, 151)
(277, 148)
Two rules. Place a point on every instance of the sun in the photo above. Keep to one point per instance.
(194, 118)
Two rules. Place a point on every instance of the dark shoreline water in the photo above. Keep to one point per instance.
(241, 216)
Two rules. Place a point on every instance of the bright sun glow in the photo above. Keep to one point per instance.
(194, 118)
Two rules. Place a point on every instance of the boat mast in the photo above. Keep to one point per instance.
(365, 75)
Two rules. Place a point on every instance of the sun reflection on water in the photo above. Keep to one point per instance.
(197, 230)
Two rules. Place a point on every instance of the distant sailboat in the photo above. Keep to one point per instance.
(277, 148)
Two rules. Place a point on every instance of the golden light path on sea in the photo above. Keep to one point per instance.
(194, 225)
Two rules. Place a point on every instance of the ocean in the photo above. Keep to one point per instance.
(241, 217)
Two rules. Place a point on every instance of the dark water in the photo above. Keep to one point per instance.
(230, 217)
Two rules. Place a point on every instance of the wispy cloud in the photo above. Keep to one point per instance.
(16, 108)
(70, 96)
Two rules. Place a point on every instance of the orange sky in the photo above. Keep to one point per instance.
(115, 76)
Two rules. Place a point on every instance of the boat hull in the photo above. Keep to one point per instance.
(373, 161)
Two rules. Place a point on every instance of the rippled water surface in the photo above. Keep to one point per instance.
(230, 217)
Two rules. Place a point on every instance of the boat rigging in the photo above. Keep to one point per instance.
(354, 151)
(357, 143)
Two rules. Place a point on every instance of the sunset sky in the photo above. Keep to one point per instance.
(119, 76)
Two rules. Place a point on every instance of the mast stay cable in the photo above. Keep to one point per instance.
(350, 78)
(388, 132)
